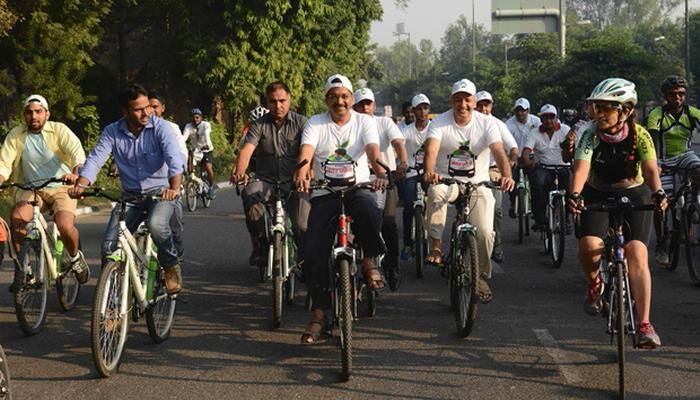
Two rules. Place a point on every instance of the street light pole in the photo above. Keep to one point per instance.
(473, 38)
(687, 42)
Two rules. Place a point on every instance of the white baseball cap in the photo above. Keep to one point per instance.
(337, 80)
(483, 95)
(463, 85)
(364, 94)
(419, 99)
(37, 98)
(548, 109)
(522, 102)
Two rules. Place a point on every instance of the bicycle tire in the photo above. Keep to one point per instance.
(620, 326)
(25, 297)
(108, 290)
(345, 319)
(206, 200)
(5, 381)
(277, 280)
(692, 242)
(67, 288)
(465, 313)
(419, 240)
(191, 198)
(559, 234)
(522, 215)
(161, 312)
(677, 237)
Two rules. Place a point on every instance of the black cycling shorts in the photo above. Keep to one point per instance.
(207, 158)
(637, 223)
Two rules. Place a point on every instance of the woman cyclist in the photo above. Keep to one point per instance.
(616, 157)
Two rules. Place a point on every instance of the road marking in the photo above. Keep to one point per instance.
(567, 370)
(197, 263)
(496, 268)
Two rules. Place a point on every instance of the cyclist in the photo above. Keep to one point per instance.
(520, 125)
(616, 157)
(448, 134)
(274, 138)
(342, 132)
(157, 103)
(391, 144)
(39, 150)
(672, 127)
(545, 143)
(586, 118)
(414, 134)
(408, 115)
(149, 161)
(484, 105)
(199, 133)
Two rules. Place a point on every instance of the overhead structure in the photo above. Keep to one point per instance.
(530, 16)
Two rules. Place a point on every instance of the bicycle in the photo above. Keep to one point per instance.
(419, 234)
(131, 280)
(282, 264)
(41, 263)
(462, 265)
(522, 206)
(5, 386)
(554, 234)
(618, 304)
(196, 186)
(685, 223)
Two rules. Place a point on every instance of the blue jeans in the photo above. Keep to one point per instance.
(157, 215)
(409, 195)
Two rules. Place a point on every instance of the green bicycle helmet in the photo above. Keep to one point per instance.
(617, 90)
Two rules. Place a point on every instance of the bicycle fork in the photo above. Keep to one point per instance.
(279, 226)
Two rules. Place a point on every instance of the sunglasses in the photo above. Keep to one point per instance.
(606, 108)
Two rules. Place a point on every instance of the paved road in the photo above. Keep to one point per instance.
(533, 341)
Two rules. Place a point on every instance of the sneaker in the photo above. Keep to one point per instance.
(80, 267)
(173, 279)
(594, 302)
(211, 192)
(497, 256)
(661, 255)
(647, 337)
(406, 253)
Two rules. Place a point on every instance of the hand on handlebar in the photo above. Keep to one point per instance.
(401, 170)
(431, 178)
(76, 191)
(170, 194)
(660, 200)
(302, 183)
(506, 183)
(574, 203)
(239, 178)
(69, 179)
(380, 183)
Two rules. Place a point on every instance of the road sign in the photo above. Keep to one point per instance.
(529, 16)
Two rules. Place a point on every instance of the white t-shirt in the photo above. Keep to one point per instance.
(520, 131)
(547, 151)
(199, 135)
(480, 132)
(414, 141)
(388, 132)
(326, 136)
(181, 139)
(506, 137)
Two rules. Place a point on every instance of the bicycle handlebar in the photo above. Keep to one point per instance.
(451, 181)
(100, 192)
(618, 204)
(29, 186)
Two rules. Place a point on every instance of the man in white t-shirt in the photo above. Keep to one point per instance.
(199, 133)
(546, 143)
(484, 105)
(339, 135)
(408, 117)
(157, 103)
(520, 125)
(461, 130)
(415, 134)
(391, 144)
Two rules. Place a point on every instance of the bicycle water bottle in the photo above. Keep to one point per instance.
(58, 253)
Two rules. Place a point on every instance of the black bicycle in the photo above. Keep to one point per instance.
(554, 233)
(462, 266)
(5, 387)
(618, 306)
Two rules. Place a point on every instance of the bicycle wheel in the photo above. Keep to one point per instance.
(345, 319)
(558, 238)
(32, 291)
(467, 267)
(290, 288)
(692, 242)
(522, 215)
(206, 200)
(191, 199)
(161, 312)
(5, 389)
(67, 286)
(419, 240)
(620, 322)
(108, 332)
(677, 237)
(277, 279)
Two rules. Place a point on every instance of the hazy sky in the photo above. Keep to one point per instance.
(427, 19)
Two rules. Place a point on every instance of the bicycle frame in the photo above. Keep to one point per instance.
(37, 229)
(279, 224)
(616, 257)
(524, 182)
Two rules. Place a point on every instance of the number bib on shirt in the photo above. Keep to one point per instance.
(419, 157)
(461, 163)
(339, 172)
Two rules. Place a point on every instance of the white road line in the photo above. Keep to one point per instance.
(567, 370)
(496, 268)
(197, 263)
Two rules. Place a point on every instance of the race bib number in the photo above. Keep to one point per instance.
(461, 164)
(419, 156)
(340, 172)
